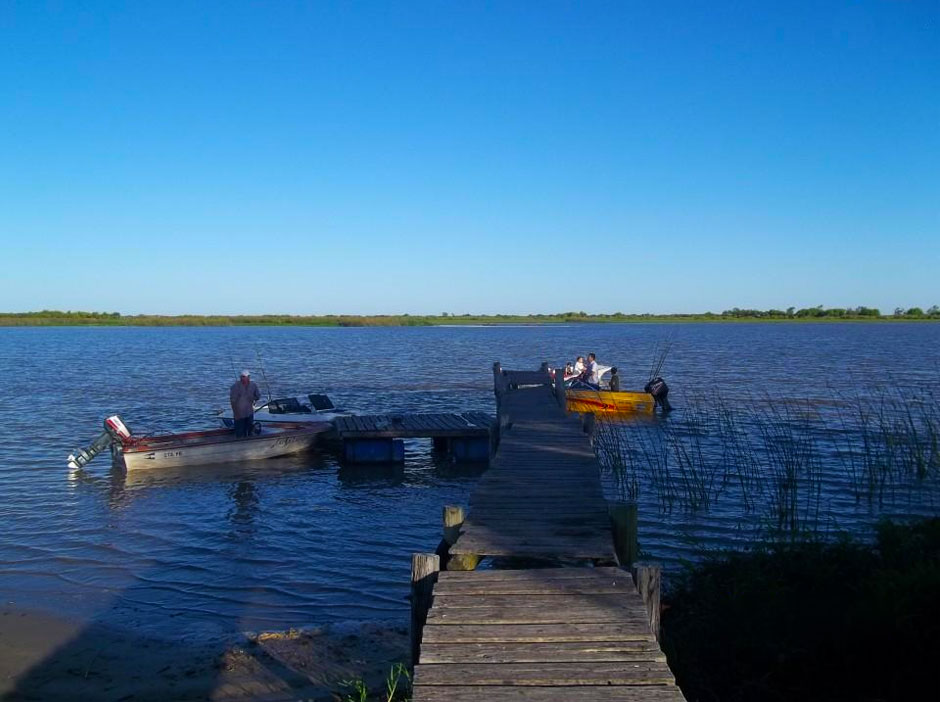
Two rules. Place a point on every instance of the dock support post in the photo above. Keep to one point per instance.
(469, 448)
(453, 518)
(374, 450)
(560, 387)
(424, 570)
(499, 385)
(623, 526)
(648, 580)
(587, 423)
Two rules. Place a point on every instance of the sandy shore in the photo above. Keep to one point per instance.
(45, 657)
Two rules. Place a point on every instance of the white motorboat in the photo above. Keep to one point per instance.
(198, 447)
(311, 409)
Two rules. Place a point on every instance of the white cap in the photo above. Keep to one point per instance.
(246, 373)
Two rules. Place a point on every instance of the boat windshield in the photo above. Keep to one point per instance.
(287, 405)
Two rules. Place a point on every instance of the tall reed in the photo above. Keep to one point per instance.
(773, 456)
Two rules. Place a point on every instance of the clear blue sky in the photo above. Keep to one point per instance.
(301, 157)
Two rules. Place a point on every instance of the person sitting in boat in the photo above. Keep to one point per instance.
(576, 370)
(243, 395)
(614, 380)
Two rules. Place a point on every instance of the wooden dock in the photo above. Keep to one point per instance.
(376, 438)
(542, 495)
(411, 426)
(575, 633)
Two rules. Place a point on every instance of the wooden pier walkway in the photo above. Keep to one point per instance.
(580, 632)
(542, 495)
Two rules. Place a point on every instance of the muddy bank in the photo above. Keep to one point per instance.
(45, 657)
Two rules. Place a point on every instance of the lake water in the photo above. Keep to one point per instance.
(305, 540)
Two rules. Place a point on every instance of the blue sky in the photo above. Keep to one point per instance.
(422, 157)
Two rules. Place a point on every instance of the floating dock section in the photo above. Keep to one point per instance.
(585, 631)
(377, 438)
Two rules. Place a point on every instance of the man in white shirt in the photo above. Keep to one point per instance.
(594, 377)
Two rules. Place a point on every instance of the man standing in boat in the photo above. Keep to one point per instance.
(593, 372)
(243, 395)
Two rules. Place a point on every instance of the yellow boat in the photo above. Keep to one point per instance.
(607, 402)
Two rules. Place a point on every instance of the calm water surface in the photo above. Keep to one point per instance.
(304, 540)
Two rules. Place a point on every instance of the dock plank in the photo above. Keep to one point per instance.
(585, 614)
(505, 693)
(537, 633)
(604, 574)
(550, 652)
(562, 674)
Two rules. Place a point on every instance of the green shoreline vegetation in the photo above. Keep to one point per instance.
(811, 620)
(811, 314)
(796, 609)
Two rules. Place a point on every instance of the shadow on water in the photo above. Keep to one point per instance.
(372, 475)
(420, 467)
(121, 653)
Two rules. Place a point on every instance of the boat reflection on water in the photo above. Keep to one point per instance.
(245, 496)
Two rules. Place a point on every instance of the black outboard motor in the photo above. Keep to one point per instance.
(660, 391)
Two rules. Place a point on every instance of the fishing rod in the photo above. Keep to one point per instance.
(660, 352)
(263, 374)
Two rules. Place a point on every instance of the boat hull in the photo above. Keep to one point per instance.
(266, 417)
(607, 402)
(218, 446)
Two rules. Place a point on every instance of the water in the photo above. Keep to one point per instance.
(304, 540)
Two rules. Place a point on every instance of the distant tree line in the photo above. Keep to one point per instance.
(831, 312)
(70, 318)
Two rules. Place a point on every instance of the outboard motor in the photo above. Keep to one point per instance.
(660, 391)
(115, 431)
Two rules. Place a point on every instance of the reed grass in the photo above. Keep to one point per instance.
(612, 447)
(397, 687)
(774, 456)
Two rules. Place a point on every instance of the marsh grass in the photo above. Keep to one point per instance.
(779, 459)
(810, 620)
(622, 463)
(397, 687)
(691, 446)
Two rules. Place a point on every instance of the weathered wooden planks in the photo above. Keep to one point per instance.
(411, 426)
(573, 634)
(542, 495)
(511, 614)
(494, 693)
(537, 633)
(540, 652)
(558, 673)
(547, 576)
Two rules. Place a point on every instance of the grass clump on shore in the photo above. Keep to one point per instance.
(810, 620)
(397, 687)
